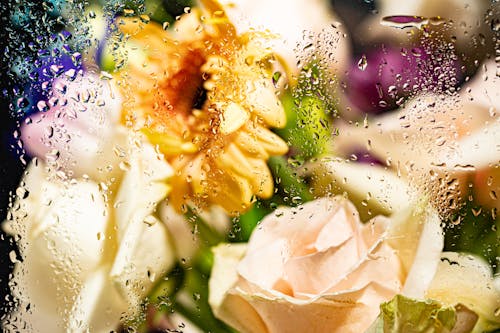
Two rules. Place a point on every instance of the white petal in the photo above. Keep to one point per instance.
(143, 185)
(83, 127)
(289, 19)
(64, 227)
(382, 191)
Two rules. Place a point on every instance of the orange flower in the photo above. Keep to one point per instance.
(204, 96)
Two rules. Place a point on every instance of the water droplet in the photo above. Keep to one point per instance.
(493, 195)
(382, 104)
(49, 132)
(476, 212)
(150, 220)
(22, 102)
(380, 92)
(276, 77)
(456, 221)
(128, 12)
(56, 69)
(362, 63)
(76, 58)
(151, 275)
(71, 74)
(42, 106)
(145, 18)
(52, 155)
(404, 21)
(125, 166)
(13, 256)
(22, 192)
(105, 76)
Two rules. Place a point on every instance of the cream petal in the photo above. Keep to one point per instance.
(142, 186)
(382, 191)
(328, 267)
(81, 127)
(184, 240)
(352, 311)
(379, 264)
(342, 226)
(98, 307)
(34, 286)
(26, 220)
(479, 150)
(216, 217)
(224, 273)
(146, 253)
(265, 266)
(415, 234)
(288, 223)
(473, 278)
(63, 250)
(69, 229)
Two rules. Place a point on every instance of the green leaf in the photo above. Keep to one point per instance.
(406, 315)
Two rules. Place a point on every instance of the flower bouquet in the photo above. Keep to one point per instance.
(245, 166)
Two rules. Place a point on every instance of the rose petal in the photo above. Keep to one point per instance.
(98, 307)
(416, 234)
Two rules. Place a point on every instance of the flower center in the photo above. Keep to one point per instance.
(183, 90)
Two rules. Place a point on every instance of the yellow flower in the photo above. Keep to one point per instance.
(204, 96)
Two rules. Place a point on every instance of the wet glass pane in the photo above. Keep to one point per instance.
(250, 166)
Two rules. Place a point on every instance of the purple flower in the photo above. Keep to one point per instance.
(382, 79)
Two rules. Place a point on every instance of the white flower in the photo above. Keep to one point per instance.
(439, 137)
(89, 257)
(296, 23)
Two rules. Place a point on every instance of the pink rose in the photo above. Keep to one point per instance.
(318, 268)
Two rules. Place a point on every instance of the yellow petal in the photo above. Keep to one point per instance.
(263, 101)
(261, 178)
(271, 142)
(232, 118)
(250, 145)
